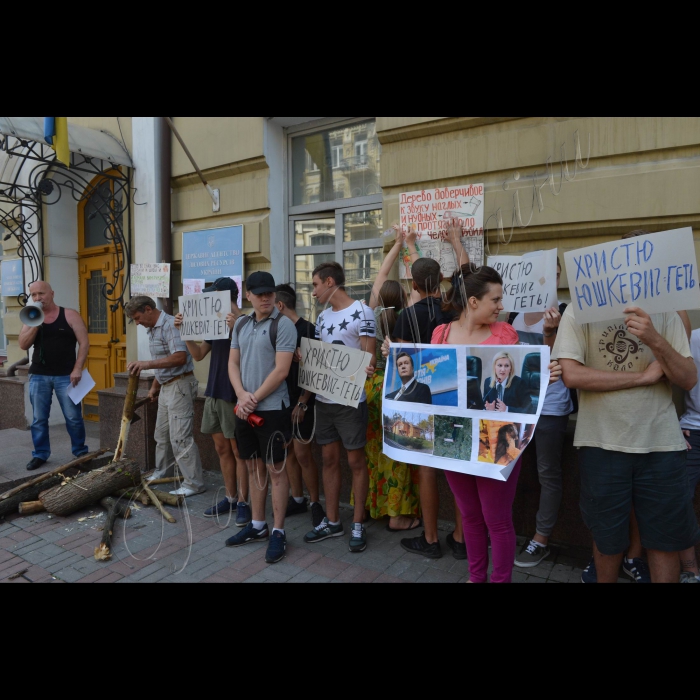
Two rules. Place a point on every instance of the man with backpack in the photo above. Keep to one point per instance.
(262, 349)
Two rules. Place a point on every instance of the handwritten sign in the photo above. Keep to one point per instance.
(151, 280)
(12, 278)
(431, 213)
(192, 287)
(204, 316)
(333, 371)
(212, 254)
(657, 273)
(529, 281)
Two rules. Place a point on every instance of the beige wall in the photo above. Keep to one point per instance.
(643, 172)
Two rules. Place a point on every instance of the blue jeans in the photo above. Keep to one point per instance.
(41, 390)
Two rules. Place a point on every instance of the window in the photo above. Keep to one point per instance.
(336, 208)
(319, 160)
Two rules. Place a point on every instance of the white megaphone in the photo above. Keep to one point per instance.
(32, 315)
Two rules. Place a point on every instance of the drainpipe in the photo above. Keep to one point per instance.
(163, 162)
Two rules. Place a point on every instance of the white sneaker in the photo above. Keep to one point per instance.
(187, 493)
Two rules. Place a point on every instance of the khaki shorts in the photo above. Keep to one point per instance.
(219, 419)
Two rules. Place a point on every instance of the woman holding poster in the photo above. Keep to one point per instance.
(393, 486)
(486, 504)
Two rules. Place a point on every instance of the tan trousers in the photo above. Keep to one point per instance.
(174, 434)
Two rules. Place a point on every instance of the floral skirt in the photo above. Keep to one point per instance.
(393, 486)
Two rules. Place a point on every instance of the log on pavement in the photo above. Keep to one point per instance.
(115, 509)
(88, 489)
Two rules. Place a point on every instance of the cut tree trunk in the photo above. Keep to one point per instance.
(46, 477)
(31, 508)
(88, 489)
(115, 509)
(11, 505)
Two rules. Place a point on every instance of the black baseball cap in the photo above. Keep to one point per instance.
(261, 283)
(223, 284)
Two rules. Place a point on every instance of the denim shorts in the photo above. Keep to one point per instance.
(655, 485)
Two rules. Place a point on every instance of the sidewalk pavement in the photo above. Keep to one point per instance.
(16, 451)
(48, 549)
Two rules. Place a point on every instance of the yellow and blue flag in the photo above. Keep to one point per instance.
(56, 135)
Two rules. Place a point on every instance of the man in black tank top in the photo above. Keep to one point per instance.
(56, 366)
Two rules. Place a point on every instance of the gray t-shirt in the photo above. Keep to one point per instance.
(258, 357)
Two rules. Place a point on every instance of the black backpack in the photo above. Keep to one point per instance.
(274, 328)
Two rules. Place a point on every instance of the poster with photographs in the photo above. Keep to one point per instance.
(471, 410)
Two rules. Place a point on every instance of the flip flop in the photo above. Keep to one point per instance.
(418, 523)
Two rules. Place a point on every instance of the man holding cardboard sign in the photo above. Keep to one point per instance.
(632, 451)
(348, 324)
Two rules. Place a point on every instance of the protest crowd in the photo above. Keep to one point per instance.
(640, 467)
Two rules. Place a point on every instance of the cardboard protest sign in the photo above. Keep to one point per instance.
(657, 273)
(529, 281)
(204, 316)
(151, 280)
(335, 372)
(431, 212)
(482, 426)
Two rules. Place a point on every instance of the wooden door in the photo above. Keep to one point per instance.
(106, 328)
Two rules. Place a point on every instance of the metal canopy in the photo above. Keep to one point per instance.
(88, 142)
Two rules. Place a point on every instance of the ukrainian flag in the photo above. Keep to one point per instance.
(56, 135)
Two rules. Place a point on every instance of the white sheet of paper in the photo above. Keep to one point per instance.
(77, 393)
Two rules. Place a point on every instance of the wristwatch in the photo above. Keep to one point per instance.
(303, 406)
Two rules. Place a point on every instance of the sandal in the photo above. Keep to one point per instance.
(415, 525)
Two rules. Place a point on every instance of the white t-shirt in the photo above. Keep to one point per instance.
(558, 401)
(346, 328)
(691, 419)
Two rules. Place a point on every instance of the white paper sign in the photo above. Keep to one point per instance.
(204, 316)
(151, 280)
(431, 212)
(657, 273)
(472, 410)
(77, 393)
(529, 281)
(333, 371)
(192, 287)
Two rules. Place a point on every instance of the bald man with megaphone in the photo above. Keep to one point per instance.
(54, 333)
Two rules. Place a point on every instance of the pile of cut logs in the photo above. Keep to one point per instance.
(113, 486)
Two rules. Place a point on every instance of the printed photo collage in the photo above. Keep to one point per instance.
(470, 410)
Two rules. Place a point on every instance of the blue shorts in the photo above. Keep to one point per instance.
(655, 485)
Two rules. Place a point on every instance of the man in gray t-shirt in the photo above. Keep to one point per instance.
(262, 348)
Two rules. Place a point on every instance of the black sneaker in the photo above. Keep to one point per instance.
(459, 550)
(294, 508)
(248, 536)
(318, 515)
(35, 464)
(221, 509)
(277, 549)
(420, 546)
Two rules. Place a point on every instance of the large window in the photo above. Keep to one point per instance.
(336, 207)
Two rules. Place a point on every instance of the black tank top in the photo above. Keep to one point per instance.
(54, 349)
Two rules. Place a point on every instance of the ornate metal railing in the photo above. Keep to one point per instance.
(39, 180)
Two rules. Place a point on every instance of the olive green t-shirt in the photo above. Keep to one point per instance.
(634, 421)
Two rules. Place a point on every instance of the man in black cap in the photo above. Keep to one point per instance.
(262, 349)
(219, 419)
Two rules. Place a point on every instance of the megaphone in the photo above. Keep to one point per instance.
(32, 315)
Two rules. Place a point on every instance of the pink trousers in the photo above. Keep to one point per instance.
(487, 507)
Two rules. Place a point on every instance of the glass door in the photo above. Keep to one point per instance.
(350, 236)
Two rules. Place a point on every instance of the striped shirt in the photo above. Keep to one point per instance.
(164, 340)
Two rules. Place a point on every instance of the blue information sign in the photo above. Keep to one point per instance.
(12, 278)
(209, 255)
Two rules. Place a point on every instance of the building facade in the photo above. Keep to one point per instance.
(311, 189)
